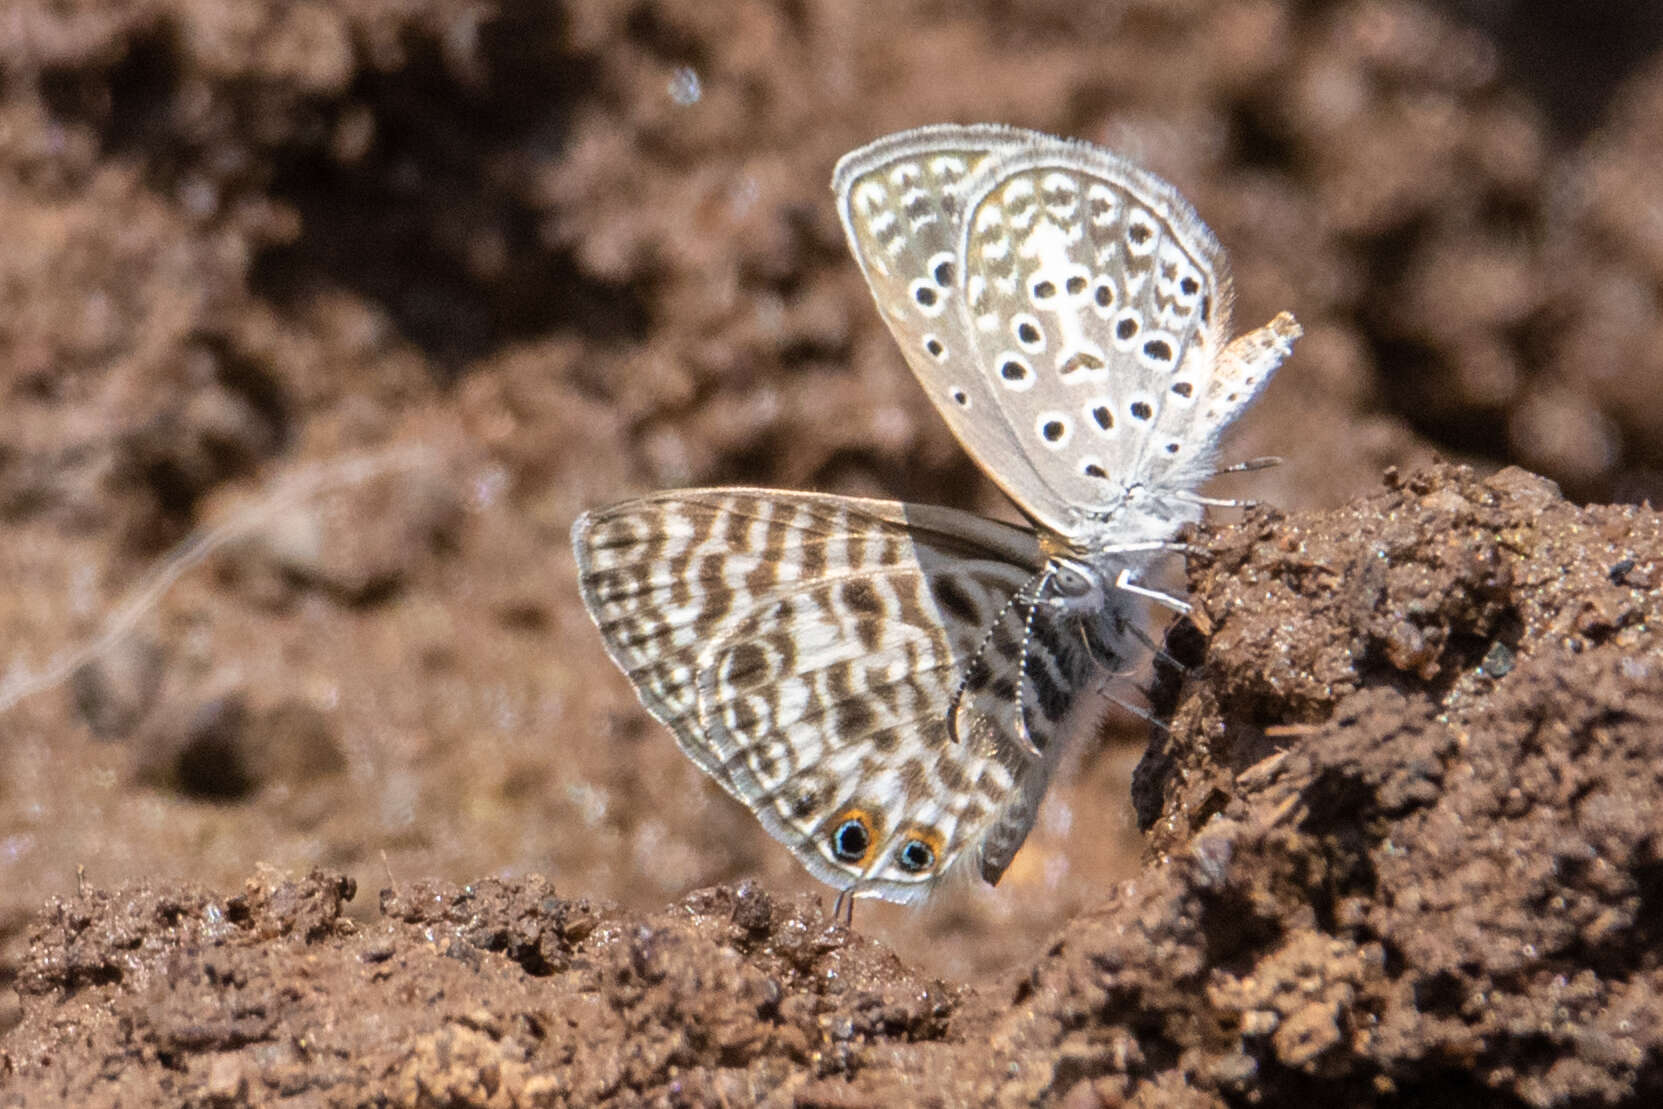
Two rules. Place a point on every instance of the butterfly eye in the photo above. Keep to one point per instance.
(1071, 583)
(915, 856)
(851, 840)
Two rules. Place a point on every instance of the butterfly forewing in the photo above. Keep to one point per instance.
(1070, 351)
(806, 651)
(902, 202)
(1096, 301)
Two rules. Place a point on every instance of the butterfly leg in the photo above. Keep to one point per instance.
(843, 909)
(1136, 710)
(1214, 502)
(1123, 581)
(1164, 546)
(1252, 464)
(1155, 649)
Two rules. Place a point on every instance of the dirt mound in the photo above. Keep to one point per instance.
(1445, 891)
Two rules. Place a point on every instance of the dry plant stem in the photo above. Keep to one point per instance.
(198, 545)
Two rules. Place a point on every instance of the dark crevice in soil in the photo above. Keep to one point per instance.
(1256, 144)
(127, 101)
(427, 222)
(1574, 58)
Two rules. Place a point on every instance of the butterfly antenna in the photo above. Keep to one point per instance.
(976, 658)
(1022, 732)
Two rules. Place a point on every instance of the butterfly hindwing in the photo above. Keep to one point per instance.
(806, 651)
(902, 201)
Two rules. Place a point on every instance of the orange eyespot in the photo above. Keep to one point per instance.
(851, 836)
(919, 850)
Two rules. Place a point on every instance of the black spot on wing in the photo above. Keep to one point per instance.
(954, 601)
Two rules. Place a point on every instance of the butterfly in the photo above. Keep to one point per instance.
(888, 686)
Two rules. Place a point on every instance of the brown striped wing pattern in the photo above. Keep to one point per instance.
(807, 651)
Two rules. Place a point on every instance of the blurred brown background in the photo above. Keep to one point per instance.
(574, 253)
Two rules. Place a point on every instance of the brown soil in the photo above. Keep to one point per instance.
(1403, 842)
